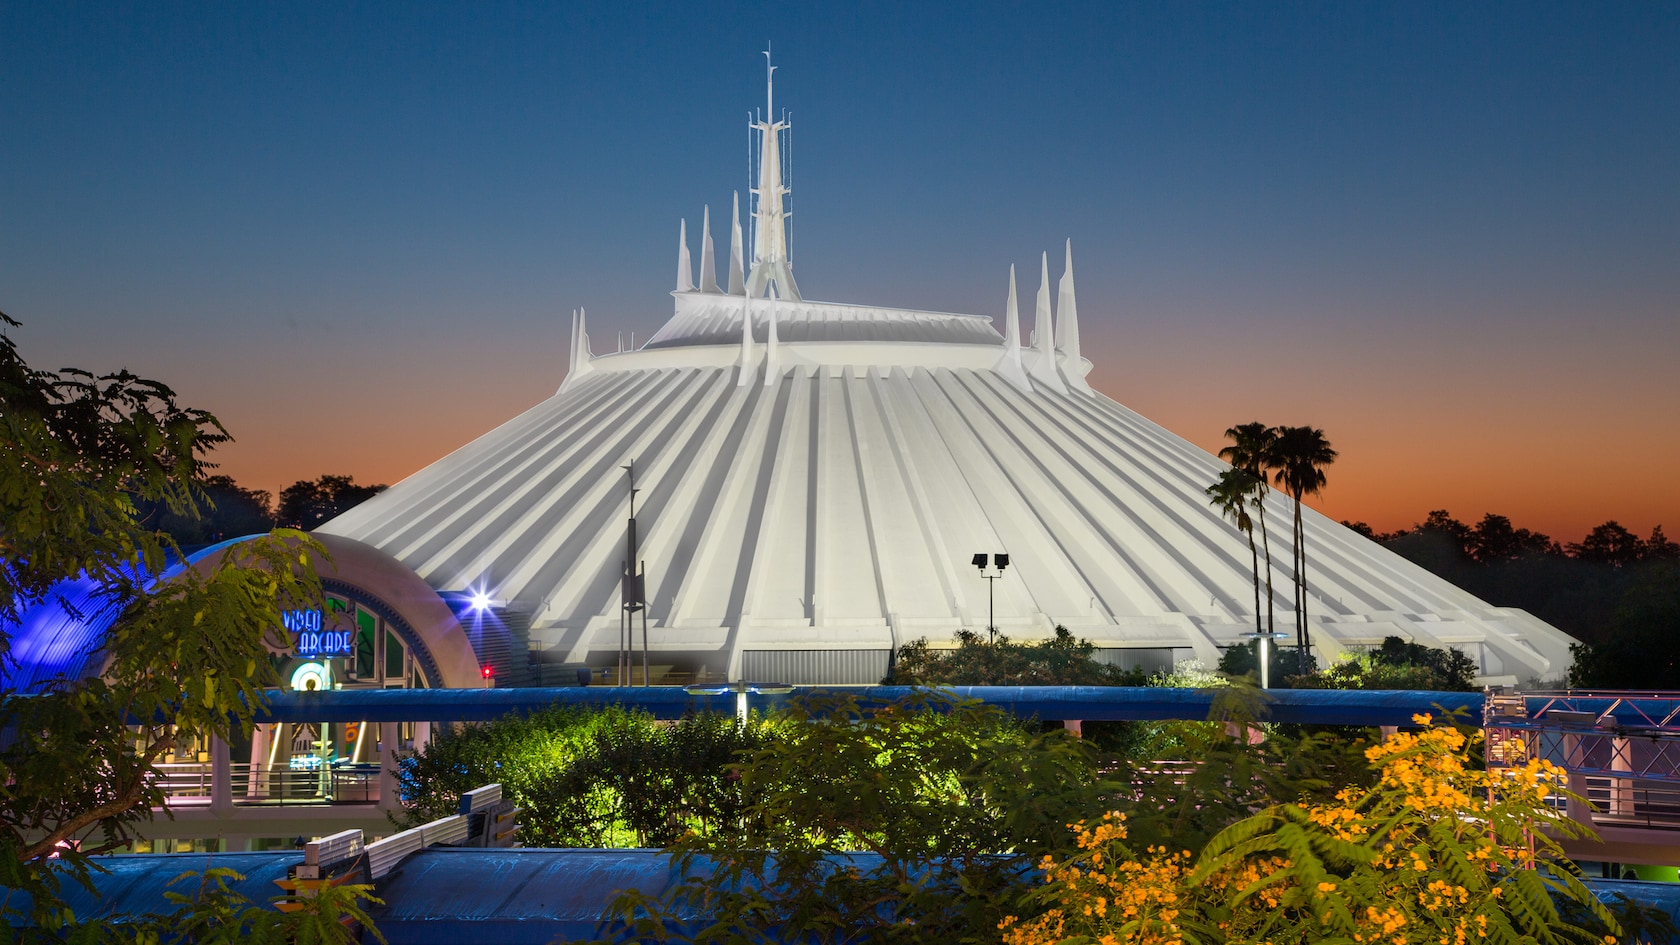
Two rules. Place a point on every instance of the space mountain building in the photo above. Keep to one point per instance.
(814, 479)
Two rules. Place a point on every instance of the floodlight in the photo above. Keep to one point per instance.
(1001, 560)
(480, 601)
(980, 561)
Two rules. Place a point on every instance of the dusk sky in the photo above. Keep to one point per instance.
(1447, 234)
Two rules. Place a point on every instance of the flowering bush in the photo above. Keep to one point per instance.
(1434, 852)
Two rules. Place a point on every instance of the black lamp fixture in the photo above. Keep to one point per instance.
(1000, 561)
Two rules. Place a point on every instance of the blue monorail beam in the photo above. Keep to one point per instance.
(1086, 703)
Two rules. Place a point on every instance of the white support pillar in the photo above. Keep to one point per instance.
(390, 797)
(221, 777)
(1621, 777)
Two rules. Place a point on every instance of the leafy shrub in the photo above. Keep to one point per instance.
(1433, 851)
(591, 778)
(912, 822)
(977, 661)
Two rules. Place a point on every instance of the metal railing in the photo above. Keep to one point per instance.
(261, 784)
(1625, 802)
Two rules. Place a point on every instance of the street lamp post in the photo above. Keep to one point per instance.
(1000, 561)
(1265, 656)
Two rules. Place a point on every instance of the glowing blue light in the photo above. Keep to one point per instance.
(479, 600)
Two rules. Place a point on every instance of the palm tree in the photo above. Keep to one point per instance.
(1232, 495)
(1298, 458)
(1251, 451)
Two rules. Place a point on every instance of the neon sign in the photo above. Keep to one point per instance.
(312, 640)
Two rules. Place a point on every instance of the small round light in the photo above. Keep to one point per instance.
(309, 677)
(480, 601)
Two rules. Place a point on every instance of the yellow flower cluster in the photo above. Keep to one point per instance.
(1131, 899)
(1390, 876)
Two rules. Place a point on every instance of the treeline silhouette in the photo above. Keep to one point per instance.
(1616, 592)
(233, 510)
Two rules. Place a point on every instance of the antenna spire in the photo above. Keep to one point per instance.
(770, 262)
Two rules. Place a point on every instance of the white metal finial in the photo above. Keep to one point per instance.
(708, 257)
(737, 276)
(1011, 365)
(1074, 366)
(1041, 363)
(578, 362)
(685, 266)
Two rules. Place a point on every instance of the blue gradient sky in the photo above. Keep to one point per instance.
(1448, 234)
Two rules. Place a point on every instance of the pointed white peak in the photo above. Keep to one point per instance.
(1011, 365)
(1041, 361)
(1044, 332)
(1074, 367)
(685, 265)
(1012, 316)
(708, 260)
(737, 277)
(578, 362)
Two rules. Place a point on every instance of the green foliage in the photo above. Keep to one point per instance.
(608, 778)
(907, 823)
(1244, 660)
(1397, 664)
(1434, 849)
(185, 660)
(1192, 779)
(976, 661)
(75, 449)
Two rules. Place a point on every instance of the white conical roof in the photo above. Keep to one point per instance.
(824, 495)
(838, 507)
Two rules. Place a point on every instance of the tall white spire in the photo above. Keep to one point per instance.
(1010, 365)
(685, 265)
(1067, 330)
(708, 258)
(737, 278)
(1042, 362)
(770, 264)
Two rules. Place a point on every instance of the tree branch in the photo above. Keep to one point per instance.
(123, 803)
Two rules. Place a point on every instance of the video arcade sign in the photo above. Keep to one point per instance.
(314, 642)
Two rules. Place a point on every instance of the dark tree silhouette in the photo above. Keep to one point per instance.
(229, 511)
(1235, 491)
(305, 504)
(1251, 446)
(1610, 543)
(1297, 461)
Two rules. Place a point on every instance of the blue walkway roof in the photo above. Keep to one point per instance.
(1087, 703)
